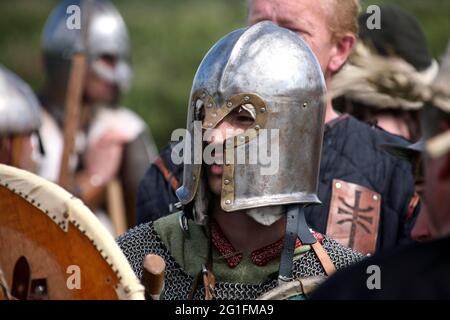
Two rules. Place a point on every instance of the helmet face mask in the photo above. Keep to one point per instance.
(118, 74)
(272, 74)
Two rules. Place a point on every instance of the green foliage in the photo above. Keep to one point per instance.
(169, 39)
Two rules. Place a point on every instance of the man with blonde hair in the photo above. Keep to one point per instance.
(366, 193)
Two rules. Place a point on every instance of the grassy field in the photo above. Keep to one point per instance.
(169, 38)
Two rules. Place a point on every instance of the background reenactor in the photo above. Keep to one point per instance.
(382, 82)
(19, 122)
(109, 141)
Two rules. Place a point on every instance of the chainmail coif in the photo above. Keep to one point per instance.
(143, 240)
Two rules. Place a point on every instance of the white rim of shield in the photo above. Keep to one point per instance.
(67, 208)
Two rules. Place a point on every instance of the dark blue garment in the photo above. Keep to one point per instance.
(155, 195)
(416, 271)
(351, 152)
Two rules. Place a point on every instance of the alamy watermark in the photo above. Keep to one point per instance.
(374, 280)
(199, 148)
(374, 20)
(73, 21)
(73, 281)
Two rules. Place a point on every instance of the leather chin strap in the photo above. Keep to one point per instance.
(296, 227)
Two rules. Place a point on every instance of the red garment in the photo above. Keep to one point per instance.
(259, 257)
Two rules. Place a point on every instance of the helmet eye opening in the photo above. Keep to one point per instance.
(241, 117)
(199, 110)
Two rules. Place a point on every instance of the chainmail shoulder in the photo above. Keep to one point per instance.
(143, 240)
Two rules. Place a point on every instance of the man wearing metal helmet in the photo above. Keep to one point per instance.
(111, 140)
(242, 229)
(417, 271)
(366, 193)
(19, 122)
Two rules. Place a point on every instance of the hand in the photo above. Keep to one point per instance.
(103, 157)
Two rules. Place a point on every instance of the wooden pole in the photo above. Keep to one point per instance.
(72, 117)
(153, 275)
(116, 206)
(74, 97)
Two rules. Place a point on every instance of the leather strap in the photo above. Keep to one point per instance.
(209, 283)
(296, 227)
(303, 232)
(194, 285)
(168, 176)
(287, 255)
(324, 258)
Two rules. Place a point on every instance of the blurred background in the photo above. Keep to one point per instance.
(168, 40)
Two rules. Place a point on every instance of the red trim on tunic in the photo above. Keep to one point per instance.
(259, 257)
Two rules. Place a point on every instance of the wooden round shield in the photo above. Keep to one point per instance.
(53, 247)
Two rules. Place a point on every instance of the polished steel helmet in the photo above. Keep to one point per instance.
(19, 107)
(272, 72)
(107, 35)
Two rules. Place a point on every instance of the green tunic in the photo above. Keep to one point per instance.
(191, 252)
